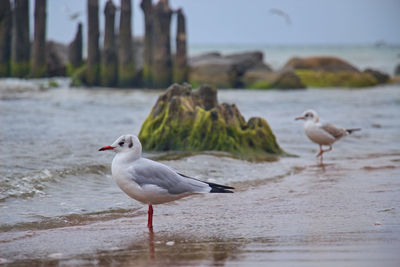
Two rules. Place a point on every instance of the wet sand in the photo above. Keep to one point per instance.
(339, 214)
(59, 205)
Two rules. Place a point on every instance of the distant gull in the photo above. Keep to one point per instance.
(72, 15)
(151, 182)
(323, 134)
(281, 13)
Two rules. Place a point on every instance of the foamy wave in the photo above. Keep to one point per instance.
(17, 85)
(36, 183)
(12, 86)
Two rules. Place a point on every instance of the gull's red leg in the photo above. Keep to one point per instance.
(321, 151)
(322, 157)
(150, 218)
(321, 154)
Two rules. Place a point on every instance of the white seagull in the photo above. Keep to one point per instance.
(151, 182)
(323, 134)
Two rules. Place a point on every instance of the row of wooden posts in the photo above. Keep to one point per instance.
(113, 65)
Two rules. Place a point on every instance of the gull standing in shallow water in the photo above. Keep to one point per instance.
(152, 182)
(322, 133)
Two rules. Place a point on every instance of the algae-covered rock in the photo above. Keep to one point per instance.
(186, 120)
(329, 72)
(336, 79)
(330, 64)
(287, 80)
(260, 79)
(379, 76)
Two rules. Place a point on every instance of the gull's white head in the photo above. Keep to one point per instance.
(309, 115)
(125, 144)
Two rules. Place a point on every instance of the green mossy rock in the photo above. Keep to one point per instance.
(329, 72)
(379, 76)
(329, 64)
(349, 79)
(186, 120)
(278, 80)
(261, 85)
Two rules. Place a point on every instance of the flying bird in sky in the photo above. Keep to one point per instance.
(281, 13)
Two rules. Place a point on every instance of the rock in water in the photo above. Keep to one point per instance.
(332, 64)
(378, 75)
(329, 72)
(224, 71)
(186, 120)
(397, 70)
(287, 80)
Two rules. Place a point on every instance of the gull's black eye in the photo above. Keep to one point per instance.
(121, 143)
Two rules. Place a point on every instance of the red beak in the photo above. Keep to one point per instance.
(106, 148)
(299, 118)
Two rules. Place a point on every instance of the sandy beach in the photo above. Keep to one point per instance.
(313, 216)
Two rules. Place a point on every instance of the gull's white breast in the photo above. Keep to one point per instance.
(317, 134)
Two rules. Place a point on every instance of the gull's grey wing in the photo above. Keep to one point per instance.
(336, 132)
(147, 172)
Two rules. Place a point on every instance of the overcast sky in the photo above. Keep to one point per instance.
(287, 22)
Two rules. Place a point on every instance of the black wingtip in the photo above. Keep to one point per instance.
(350, 131)
(217, 188)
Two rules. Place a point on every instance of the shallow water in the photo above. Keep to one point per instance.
(58, 203)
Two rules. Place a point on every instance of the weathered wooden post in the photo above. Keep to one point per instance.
(20, 45)
(109, 68)
(75, 51)
(5, 37)
(147, 75)
(38, 68)
(93, 52)
(126, 71)
(180, 64)
(162, 61)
